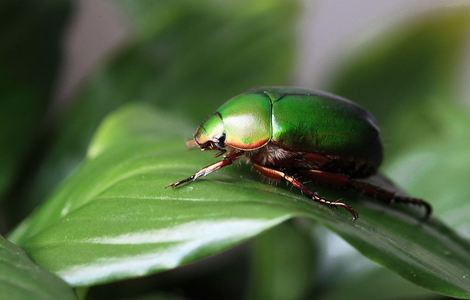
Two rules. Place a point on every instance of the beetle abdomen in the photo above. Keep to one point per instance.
(307, 121)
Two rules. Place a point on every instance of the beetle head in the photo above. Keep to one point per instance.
(210, 135)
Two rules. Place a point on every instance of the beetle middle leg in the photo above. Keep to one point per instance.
(376, 192)
(228, 160)
(276, 174)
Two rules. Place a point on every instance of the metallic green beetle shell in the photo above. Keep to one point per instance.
(298, 120)
(309, 121)
(247, 121)
(211, 129)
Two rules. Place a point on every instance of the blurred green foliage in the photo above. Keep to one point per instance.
(29, 58)
(438, 171)
(283, 263)
(346, 274)
(185, 58)
(21, 279)
(408, 77)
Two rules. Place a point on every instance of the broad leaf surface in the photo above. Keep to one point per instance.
(184, 56)
(115, 219)
(22, 279)
(343, 273)
(29, 56)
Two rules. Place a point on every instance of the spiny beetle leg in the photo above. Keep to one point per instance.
(389, 196)
(376, 192)
(228, 160)
(276, 174)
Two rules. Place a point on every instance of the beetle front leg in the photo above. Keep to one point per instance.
(228, 160)
(276, 174)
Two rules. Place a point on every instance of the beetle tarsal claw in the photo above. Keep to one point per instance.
(351, 210)
(181, 182)
(173, 185)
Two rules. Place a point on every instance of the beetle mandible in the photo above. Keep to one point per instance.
(290, 133)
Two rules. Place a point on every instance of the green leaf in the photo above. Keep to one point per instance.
(142, 129)
(114, 218)
(282, 263)
(346, 274)
(375, 283)
(29, 56)
(439, 171)
(20, 278)
(186, 57)
(406, 75)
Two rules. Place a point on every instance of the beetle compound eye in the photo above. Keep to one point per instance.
(221, 141)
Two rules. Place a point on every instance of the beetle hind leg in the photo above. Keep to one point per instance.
(368, 189)
(390, 197)
(279, 175)
(394, 198)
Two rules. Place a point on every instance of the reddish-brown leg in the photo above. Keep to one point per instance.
(367, 189)
(276, 174)
(228, 160)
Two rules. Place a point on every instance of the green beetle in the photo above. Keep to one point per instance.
(285, 131)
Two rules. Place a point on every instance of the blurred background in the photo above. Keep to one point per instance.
(66, 64)
(326, 29)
